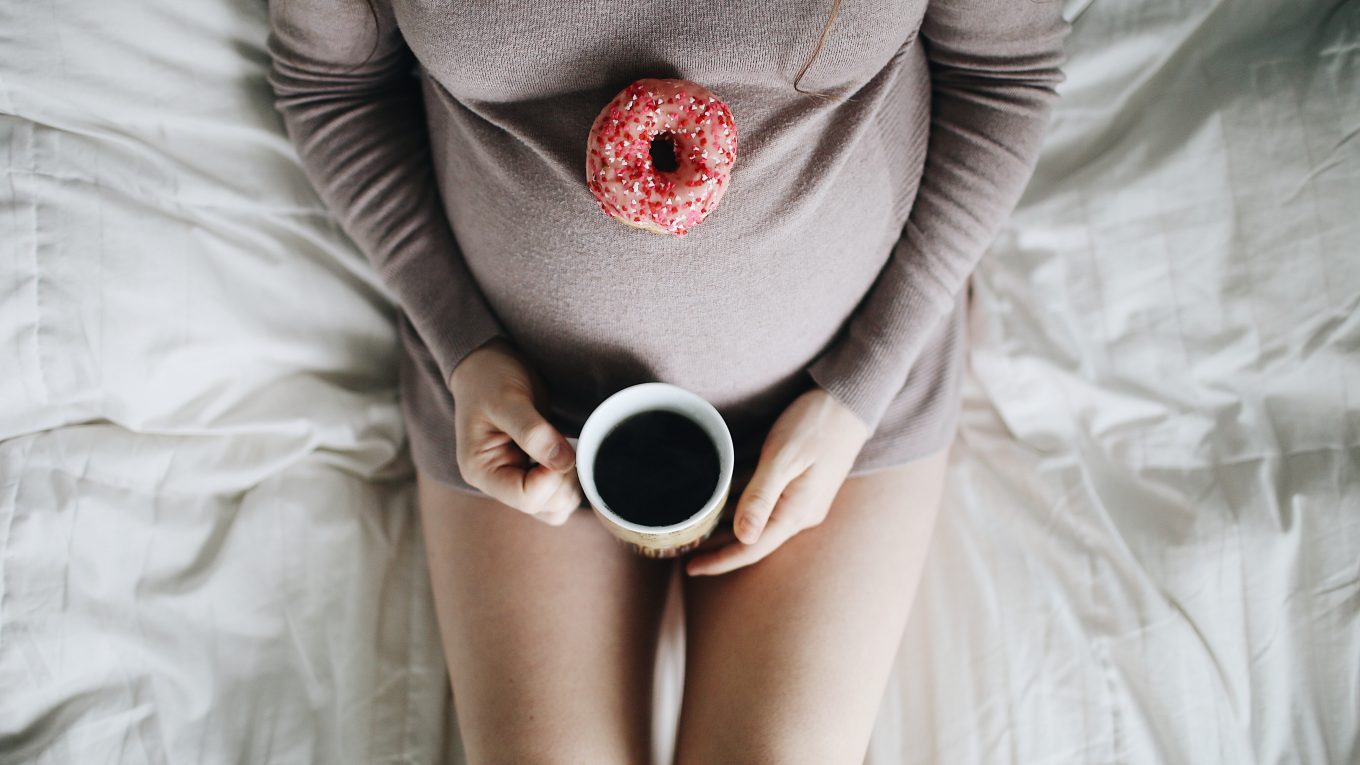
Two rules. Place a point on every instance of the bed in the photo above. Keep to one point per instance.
(1150, 546)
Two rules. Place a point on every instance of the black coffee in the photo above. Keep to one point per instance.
(656, 468)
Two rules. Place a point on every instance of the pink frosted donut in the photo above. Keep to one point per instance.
(659, 155)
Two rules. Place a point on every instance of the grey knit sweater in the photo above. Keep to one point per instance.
(449, 138)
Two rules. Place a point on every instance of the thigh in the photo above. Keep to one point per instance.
(550, 632)
(787, 660)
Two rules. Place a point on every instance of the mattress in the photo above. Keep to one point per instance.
(1149, 550)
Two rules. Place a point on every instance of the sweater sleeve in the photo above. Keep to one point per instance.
(994, 65)
(344, 82)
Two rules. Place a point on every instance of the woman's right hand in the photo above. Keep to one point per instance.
(501, 433)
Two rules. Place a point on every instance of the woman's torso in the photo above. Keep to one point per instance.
(736, 309)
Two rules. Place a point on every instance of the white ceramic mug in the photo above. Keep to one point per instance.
(656, 541)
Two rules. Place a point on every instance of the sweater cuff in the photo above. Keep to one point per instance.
(451, 322)
(451, 347)
(867, 365)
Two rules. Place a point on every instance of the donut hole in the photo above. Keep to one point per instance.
(663, 153)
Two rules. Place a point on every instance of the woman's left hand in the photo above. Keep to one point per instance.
(802, 465)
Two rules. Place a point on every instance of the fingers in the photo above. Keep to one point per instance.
(535, 490)
(774, 472)
(521, 420)
(802, 505)
(492, 457)
(565, 501)
(501, 434)
(733, 556)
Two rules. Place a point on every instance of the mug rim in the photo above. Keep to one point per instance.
(726, 457)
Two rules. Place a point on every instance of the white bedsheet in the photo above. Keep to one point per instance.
(207, 549)
(1151, 545)
(1150, 549)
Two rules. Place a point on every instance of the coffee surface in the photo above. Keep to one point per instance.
(656, 468)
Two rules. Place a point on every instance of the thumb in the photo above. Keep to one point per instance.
(520, 420)
(761, 496)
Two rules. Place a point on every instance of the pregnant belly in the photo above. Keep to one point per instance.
(734, 311)
(733, 316)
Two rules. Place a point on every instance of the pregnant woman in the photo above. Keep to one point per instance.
(819, 307)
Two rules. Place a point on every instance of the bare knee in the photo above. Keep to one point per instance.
(517, 757)
(773, 745)
(515, 730)
(573, 752)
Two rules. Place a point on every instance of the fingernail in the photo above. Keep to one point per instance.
(750, 532)
(558, 457)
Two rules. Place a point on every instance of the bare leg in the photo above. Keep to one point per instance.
(787, 660)
(550, 632)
